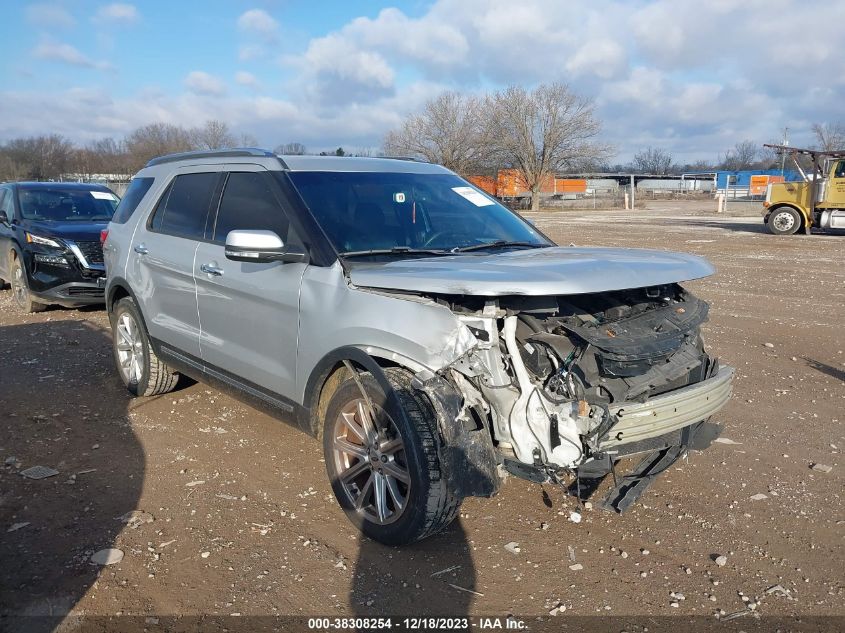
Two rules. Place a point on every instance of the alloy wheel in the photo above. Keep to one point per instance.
(19, 287)
(369, 457)
(130, 348)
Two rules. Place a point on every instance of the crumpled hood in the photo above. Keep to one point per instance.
(541, 271)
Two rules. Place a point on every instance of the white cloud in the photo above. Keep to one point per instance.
(248, 52)
(246, 79)
(118, 12)
(50, 50)
(258, 21)
(49, 15)
(692, 76)
(202, 83)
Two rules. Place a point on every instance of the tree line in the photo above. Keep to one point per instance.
(539, 132)
(546, 131)
(53, 156)
(744, 155)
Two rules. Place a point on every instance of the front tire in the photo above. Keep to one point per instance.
(784, 221)
(142, 372)
(384, 469)
(20, 287)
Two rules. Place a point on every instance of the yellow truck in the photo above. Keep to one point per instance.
(817, 201)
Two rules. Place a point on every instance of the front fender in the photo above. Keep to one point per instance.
(410, 330)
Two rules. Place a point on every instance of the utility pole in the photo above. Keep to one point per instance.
(783, 154)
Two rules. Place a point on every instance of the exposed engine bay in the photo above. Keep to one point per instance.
(553, 378)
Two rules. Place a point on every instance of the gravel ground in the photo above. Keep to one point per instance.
(234, 514)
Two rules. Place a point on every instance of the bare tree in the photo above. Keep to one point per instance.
(743, 156)
(290, 149)
(103, 156)
(701, 165)
(247, 140)
(154, 140)
(213, 135)
(830, 137)
(450, 131)
(44, 157)
(653, 160)
(542, 132)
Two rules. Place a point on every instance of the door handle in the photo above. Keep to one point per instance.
(211, 269)
(141, 249)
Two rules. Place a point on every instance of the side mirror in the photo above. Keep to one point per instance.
(261, 246)
(4, 219)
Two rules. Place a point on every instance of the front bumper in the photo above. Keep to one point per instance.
(668, 412)
(74, 294)
(72, 282)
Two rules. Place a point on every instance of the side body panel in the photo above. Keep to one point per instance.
(413, 332)
(249, 318)
(160, 269)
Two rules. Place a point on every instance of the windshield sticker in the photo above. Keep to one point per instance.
(103, 195)
(477, 198)
(399, 197)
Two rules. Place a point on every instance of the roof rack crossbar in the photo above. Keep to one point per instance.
(216, 153)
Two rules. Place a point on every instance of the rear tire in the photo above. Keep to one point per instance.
(20, 287)
(389, 483)
(784, 221)
(142, 372)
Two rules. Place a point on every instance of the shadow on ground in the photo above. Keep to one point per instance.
(824, 368)
(63, 407)
(728, 225)
(434, 577)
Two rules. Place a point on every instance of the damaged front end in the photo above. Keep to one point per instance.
(560, 388)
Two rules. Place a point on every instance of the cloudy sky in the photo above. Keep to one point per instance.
(690, 76)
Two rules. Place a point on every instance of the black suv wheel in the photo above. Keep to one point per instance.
(20, 286)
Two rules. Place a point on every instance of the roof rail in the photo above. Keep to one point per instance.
(413, 159)
(214, 153)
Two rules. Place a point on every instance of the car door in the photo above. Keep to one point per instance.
(249, 311)
(161, 262)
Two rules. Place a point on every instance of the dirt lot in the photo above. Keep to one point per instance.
(239, 518)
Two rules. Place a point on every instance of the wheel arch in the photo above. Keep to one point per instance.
(119, 289)
(332, 370)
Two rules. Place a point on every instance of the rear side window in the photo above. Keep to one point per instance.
(137, 189)
(249, 203)
(183, 209)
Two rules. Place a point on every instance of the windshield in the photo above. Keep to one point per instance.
(63, 204)
(362, 211)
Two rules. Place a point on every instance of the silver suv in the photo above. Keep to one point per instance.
(432, 339)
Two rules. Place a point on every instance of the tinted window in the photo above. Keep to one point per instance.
(54, 203)
(138, 188)
(6, 202)
(183, 208)
(249, 203)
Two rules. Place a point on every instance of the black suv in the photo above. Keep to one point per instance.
(50, 248)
